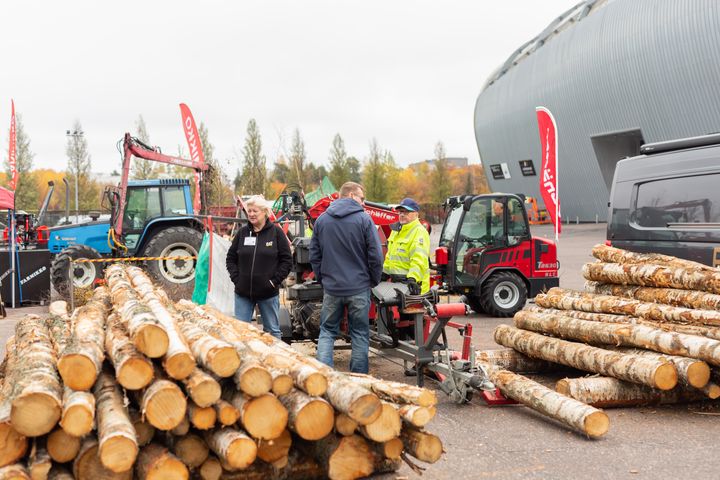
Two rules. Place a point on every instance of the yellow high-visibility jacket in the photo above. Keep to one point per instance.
(409, 254)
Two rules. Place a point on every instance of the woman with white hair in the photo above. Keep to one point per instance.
(258, 261)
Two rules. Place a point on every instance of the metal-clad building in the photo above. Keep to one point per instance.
(615, 74)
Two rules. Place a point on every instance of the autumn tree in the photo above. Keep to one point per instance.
(79, 168)
(392, 178)
(142, 169)
(374, 179)
(296, 174)
(254, 172)
(26, 194)
(440, 187)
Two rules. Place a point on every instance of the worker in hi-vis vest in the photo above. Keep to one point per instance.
(408, 254)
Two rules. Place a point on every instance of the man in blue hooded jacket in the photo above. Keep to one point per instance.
(347, 260)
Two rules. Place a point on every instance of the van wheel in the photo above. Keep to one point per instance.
(503, 294)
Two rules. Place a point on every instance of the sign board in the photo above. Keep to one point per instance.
(497, 172)
(527, 168)
(505, 170)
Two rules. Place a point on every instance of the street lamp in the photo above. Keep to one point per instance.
(76, 134)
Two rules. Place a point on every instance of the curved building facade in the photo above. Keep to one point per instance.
(615, 74)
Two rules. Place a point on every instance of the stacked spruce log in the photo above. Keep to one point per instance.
(131, 385)
(647, 326)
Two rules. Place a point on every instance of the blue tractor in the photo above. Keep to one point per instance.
(149, 218)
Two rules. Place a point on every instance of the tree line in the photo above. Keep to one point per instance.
(384, 180)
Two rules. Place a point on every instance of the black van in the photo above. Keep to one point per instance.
(667, 200)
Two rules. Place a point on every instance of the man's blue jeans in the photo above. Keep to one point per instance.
(269, 309)
(358, 307)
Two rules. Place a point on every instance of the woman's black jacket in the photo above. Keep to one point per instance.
(258, 262)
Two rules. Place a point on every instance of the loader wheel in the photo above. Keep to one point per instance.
(83, 275)
(176, 277)
(503, 294)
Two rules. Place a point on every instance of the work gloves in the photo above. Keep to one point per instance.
(413, 286)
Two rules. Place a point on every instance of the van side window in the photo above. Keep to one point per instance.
(693, 199)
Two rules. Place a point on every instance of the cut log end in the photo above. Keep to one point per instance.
(712, 390)
(78, 371)
(61, 446)
(118, 453)
(166, 409)
(226, 413)
(151, 340)
(597, 424)
(393, 448)
(345, 425)
(666, 377)
(192, 450)
(316, 384)
(136, 373)
(255, 381)
(386, 427)
(77, 420)
(352, 459)
(698, 374)
(241, 452)
(203, 418)
(282, 384)
(179, 366)
(224, 361)
(35, 414)
(13, 445)
(210, 469)
(275, 449)
(315, 420)
(366, 409)
(265, 417)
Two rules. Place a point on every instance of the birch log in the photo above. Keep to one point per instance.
(216, 355)
(227, 414)
(202, 418)
(282, 382)
(652, 276)
(117, 443)
(514, 361)
(146, 332)
(61, 446)
(691, 372)
(232, 447)
(583, 418)
(668, 296)
(565, 299)
(87, 464)
(39, 462)
(211, 469)
(606, 253)
(163, 404)
(144, 432)
(15, 471)
(416, 415)
(311, 418)
(654, 373)
(395, 391)
(78, 412)
(36, 392)
(275, 449)
(133, 370)
(82, 357)
(13, 445)
(627, 335)
(345, 425)
(606, 392)
(202, 388)
(191, 450)
(385, 427)
(421, 445)
(155, 462)
(263, 417)
(343, 458)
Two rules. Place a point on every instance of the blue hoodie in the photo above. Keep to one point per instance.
(345, 250)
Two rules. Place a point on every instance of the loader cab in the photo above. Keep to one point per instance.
(477, 226)
(148, 200)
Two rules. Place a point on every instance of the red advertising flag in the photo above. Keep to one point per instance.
(549, 168)
(12, 153)
(195, 146)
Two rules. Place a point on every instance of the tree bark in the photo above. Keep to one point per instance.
(311, 418)
(117, 443)
(509, 359)
(668, 296)
(191, 450)
(232, 446)
(146, 332)
(36, 392)
(82, 357)
(227, 414)
(654, 373)
(15, 471)
(583, 418)
(155, 462)
(691, 372)
(417, 416)
(653, 276)
(202, 388)
(608, 254)
(144, 432)
(627, 335)
(395, 391)
(606, 392)
(422, 445)
(216, 355)
(13, 445)
(310, 380)
(386, 427)
(202, 418)
(88, 465)
(133, 370)
(39, 463)
(61, 446)
(296, 467)
(262, 417)
(178, 361)
(78, 412)
(564, 299)
(273, 450)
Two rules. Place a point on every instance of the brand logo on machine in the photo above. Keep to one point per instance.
(68, 239)
(548, 266)
(32, 275)
(380, 215)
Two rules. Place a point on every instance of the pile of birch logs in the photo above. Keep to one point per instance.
(647, 326)
(132, 385)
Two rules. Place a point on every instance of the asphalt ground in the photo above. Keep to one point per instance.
(509, 442)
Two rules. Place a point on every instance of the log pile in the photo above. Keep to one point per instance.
(132, 385)
(647, 327)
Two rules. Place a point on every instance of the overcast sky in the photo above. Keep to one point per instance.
(404, 72)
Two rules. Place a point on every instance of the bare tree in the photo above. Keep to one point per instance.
(143, 169)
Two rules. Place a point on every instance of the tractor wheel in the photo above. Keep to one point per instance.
(176, 277)
(503, 294)
(83, 274)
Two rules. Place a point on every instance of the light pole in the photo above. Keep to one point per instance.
(76, 134)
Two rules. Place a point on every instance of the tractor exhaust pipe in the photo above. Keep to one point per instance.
(67, 200)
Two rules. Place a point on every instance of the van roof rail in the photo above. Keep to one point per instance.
(680, 144)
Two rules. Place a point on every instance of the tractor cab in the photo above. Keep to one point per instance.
(486, 252)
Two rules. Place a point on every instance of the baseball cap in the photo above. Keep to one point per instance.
(408, 204)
